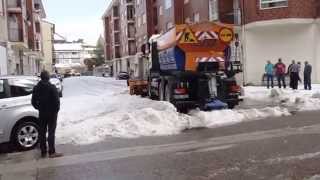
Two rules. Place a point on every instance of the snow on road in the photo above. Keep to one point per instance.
(93, 109)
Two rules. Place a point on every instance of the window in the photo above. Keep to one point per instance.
(139, 21)
(1, 8)
(160, 10)
(196, 17)
(186, 1)
(213, 10)
(21, 87)
(167, 4)
(144, 18)
(266, 4)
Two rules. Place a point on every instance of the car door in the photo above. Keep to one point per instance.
(4, 102)
(17, 100)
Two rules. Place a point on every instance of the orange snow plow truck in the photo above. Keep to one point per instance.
(190, 67)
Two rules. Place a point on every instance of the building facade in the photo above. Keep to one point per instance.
(23, 38)
(48, 30)
(287, 29)
(3, 38)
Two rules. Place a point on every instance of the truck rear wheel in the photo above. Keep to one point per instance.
(168, 93)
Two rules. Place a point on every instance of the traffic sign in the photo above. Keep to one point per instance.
(226, 35)
(188, 37)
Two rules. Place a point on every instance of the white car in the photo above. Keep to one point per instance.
(58, 84)
(18, 119)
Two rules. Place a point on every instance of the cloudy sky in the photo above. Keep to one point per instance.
(76, 19)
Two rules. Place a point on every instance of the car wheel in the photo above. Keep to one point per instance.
(26, 136)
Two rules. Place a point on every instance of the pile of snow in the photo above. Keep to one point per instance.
(96, 108)
(298, 100)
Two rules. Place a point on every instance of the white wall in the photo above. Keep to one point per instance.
(3, 61)
(288, 41)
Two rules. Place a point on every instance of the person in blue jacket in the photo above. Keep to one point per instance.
(269, 70)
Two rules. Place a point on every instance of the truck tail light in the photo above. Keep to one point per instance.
(180, 91)
(235, 89)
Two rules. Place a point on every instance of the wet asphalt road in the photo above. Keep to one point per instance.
(285, 148)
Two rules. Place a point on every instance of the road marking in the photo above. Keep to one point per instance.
(217, 142)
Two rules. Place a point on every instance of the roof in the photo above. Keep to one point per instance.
(58, 37)
(68, 46)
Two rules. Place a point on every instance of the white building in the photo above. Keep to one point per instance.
(71, 55)
(3, 38)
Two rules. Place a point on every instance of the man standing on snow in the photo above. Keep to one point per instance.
(269, 71)
(45, 98)
(307, 76)
(290, 74)
(295, 70)
(280, 69)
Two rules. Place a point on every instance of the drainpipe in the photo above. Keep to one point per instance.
(243, 46)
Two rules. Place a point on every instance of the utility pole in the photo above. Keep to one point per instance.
(243, 44)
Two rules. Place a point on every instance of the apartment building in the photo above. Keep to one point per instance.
(3, 38)
(23, 38)
(287, 29)
(267, 29)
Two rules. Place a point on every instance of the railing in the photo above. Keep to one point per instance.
(15, 35)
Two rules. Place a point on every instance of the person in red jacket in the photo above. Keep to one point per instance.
(280, 70)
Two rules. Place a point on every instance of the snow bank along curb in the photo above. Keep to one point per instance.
(96, 108)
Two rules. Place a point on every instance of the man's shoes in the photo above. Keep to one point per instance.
(43, 155)
(55, 155)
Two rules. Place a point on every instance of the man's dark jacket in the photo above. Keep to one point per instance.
(45, 98)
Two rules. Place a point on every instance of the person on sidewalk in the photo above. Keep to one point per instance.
(45, 98)
(295, 69)
(269, 72)
(307, 76)
(290, 74)
(280, 70)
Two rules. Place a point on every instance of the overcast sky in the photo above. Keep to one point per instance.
(76, 19)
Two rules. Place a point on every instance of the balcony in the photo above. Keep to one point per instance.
(15, 35)
(15, 6)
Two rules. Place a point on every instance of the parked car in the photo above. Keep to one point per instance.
(19, 120)
(123, 76)
(55, 81)
(58, 76)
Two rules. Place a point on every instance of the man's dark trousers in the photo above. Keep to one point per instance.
(48, 123)
(295, 80)
(307, 82)
(269, 80)
(281, 79)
